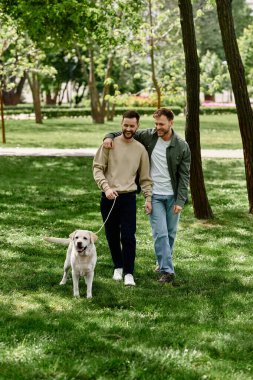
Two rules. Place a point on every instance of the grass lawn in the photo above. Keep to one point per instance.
(202, 329)
(217, 132)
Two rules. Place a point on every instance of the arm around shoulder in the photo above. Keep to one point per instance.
(99, 166)
(144, 173)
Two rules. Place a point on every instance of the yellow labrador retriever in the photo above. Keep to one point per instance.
(81, 257)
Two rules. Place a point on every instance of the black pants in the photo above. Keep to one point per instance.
(120, 229)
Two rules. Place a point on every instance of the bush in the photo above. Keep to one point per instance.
(145, 110)
(63, 111)
(216, 110)
(134, 101)
(55, 112)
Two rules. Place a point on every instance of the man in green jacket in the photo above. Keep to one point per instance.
(170, 171)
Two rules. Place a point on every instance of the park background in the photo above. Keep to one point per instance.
(82, 64)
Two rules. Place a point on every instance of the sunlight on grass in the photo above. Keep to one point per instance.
(201, 329)
(24, 353)
(217, 131)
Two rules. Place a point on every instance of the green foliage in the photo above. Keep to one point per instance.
(71, 21)
(143, 106)
(13, 62)
(54, 19)
(168, 52)
(242, 14)
(149, 100)
(120, 28)
(246, 49)
(217, 110)
(199, 330)
(100, 25)
(67, 67)
(55, 112)
(214, 75)
(18, 55)
(208, 30)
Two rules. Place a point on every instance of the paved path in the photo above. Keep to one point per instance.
(90, 152)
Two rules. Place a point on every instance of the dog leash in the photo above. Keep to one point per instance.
(106, 217)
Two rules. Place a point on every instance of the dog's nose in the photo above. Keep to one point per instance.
(79, 244)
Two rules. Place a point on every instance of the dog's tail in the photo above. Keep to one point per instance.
(62, 241)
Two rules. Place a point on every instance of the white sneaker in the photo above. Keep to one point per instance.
(129, 280)
(118, 274)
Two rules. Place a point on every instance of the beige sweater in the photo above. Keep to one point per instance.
(116, 168)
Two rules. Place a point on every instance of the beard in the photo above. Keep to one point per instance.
(128, 135)
(162, 132)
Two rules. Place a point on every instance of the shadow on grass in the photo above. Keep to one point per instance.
(103, 331)
(152, 331)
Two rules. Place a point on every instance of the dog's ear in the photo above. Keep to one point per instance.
(71, 236)
(93, 237)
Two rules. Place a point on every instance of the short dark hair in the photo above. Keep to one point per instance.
(164, 111)
(131, 114)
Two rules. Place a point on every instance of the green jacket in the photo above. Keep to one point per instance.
(178, 160)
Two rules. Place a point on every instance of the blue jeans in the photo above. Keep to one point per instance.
(164, 228)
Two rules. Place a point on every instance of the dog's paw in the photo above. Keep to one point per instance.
(76, 295)
(63, 282)
(89, 296)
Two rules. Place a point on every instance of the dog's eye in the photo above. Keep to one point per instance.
(85, 238)
(76, 237)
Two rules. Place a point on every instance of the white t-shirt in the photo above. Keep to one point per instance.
(159, 169)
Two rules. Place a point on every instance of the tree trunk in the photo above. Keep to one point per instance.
(35, 89)
(237, 75)
(2, 117)
(78, 97)
(202, 209)
(152, 56)
(52, 98)
(62, 93)
(13, 97)
(98, 107)
(96, 111)
(110, 111)
(106, 89)
(209, 98)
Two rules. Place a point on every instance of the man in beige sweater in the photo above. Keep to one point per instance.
(115, 172)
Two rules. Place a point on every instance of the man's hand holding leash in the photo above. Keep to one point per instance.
(111, 194)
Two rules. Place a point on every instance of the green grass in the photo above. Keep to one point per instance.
(200, 330)
(217, 132)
